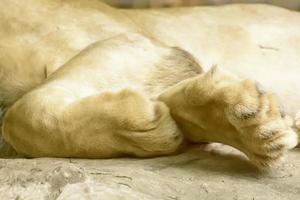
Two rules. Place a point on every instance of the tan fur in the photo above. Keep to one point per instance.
(81, 79)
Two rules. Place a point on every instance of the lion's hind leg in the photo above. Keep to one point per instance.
(75, 113)
(109, 124)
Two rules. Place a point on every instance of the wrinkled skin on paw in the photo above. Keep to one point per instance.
(218, 107)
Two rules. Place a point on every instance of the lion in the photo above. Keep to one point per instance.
(82, 79)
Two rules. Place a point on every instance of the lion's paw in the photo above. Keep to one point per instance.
(263, 134)
(219, 107)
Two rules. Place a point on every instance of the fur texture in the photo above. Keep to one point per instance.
(112, 84)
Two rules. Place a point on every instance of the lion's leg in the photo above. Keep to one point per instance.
(75, 114)
(217, 107)
(45, 123)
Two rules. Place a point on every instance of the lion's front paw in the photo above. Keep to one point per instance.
(263, 134)
(219, 107)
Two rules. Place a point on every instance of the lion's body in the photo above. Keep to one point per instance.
(252, 41)
(60, 59)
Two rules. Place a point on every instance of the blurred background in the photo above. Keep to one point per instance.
(291, 4)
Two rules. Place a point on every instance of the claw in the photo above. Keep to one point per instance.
(260, 88)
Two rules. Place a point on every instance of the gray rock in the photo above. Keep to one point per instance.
(214, 172)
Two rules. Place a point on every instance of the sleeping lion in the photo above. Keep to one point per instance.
(81, 79)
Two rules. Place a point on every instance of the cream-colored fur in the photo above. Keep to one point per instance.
(81, 79)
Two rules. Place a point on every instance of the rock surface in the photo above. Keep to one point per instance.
(215, 172)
